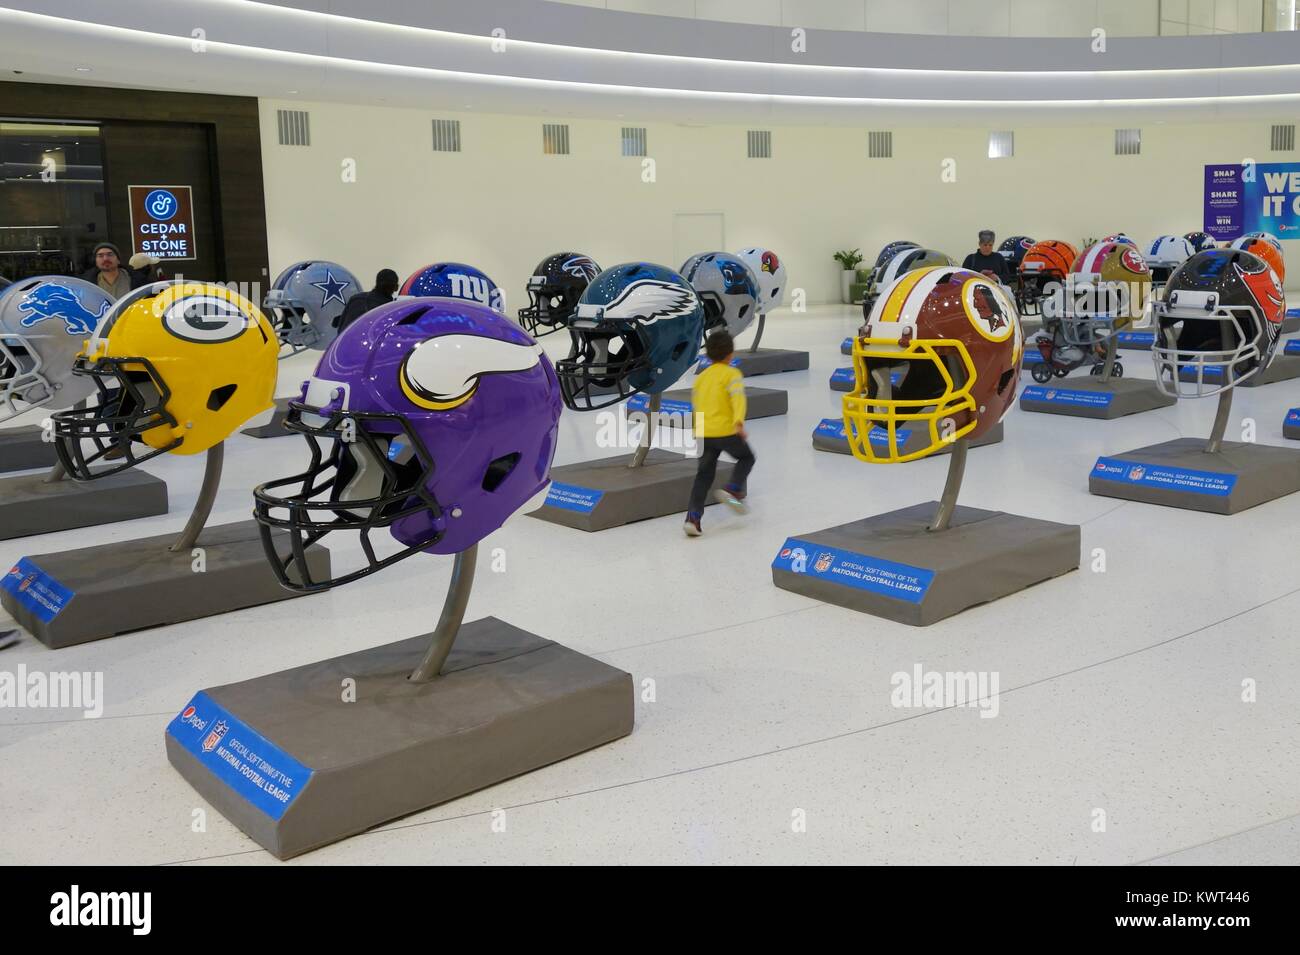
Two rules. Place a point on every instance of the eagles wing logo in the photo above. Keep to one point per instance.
(649, 300)
(55, 301)
(581, 267)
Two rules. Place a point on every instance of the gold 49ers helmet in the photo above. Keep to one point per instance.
(940, 351)
(178, 367)
(1109, 288)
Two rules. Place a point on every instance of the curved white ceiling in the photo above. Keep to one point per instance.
(576, 61)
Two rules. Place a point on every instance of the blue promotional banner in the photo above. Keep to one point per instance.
(842, 376)
(861, 571)
(1212, 483)
(1067, 396)
(705, 362)
(571, 497)
(846, 346)
(1292, 347)
(1259, 197)
(254, 768)
(834, 428)
(1209, 373)
(671, 406)
(36, 590)
(1293, 418)
(1136, 338)
(1032, 357)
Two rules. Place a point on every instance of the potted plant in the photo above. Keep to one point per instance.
(849, 261)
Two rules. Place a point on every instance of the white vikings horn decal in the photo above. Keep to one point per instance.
(442, 373)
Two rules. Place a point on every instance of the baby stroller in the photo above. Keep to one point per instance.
(1067, 343)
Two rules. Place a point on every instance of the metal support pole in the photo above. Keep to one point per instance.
(56, 473)
(453, 613)
(651, 415)
(758, 333)
(207, 495)
(1215, 444)
(952, 487)
(1108, 365)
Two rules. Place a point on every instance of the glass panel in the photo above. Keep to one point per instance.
(52, 198)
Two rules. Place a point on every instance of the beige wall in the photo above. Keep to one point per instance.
(502, 206)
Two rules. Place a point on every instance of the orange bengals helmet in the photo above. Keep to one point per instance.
(1051, 257)
(1261, 248)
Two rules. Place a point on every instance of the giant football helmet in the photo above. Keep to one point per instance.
(638, 328)
(1271, 252)
(1220, 313)
(727, 288)
(770, 272)
(431, 418)
(305, 303)
(1013, 249)
(554, 289)
(44, 322)
(1268, 237)
(178, 366)
(1201, 241)
(954, 337)
(1108, 289)
(901, 262)
(1165, 254)
(1050, 259)
(453, 280)
(1119, 237)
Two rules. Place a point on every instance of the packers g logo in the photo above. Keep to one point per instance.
(443, 373)
(204, 319)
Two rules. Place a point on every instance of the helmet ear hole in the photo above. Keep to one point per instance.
(498, 470)
(219, 396)
(1007, 377)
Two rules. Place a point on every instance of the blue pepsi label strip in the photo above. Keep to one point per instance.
(1292, 347)
(860, 571)
(846, 347)
(705, 362)
(834, 428)
(670, 406)
(1186, 480)
(38, 592)
(571, 497)
(1032, 358)
(1066, 396)
(1293, 416)
(1136, 338)
(253, 767)
(1188, 373)
(842, 375)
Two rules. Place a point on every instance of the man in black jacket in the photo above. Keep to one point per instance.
(987, 261)
(385, 288)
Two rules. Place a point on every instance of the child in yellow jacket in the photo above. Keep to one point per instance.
(718, 403)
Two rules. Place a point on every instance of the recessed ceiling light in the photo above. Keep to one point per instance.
(84, 69)
(293, 91)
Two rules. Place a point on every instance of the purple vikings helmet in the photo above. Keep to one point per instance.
(454, 280)
(434, 419)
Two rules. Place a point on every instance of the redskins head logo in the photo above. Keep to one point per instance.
(443, 373)
(988, 309)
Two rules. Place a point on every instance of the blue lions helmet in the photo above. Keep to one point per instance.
(305, 303)
(454, 280)
(637, 328)
(44, 323)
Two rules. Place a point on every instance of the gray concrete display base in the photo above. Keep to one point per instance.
(1282, 368)
(1092, 398)
(22, 449)
(31, 505)
(829, 436)
(77, 596)
(982, 556)
(1181, 474)
(676, 410)
(275, 427)
(765, 361)
(598, 495)
(1291, 425)
(508, 702)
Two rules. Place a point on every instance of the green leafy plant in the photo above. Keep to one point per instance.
(849, 259)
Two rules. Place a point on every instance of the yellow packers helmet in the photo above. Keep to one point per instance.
(178, 366)
(940, 352)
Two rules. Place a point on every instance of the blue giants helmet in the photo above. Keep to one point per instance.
(637, 328)
(454, 280)
(305, 303)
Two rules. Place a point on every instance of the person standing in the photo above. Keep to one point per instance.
(988, 262)
(386, 284)
(108, 273)
(718, 402)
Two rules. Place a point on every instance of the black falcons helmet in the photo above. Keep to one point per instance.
(554, 289)
(1013, 249)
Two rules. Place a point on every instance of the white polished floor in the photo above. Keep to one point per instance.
(1119, 691)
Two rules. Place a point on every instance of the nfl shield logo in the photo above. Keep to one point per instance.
(1050, 395)
(823, 563)
(212, 739)
(1135, 474)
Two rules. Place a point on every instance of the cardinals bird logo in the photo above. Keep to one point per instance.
(54, 301)
(770, 263)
